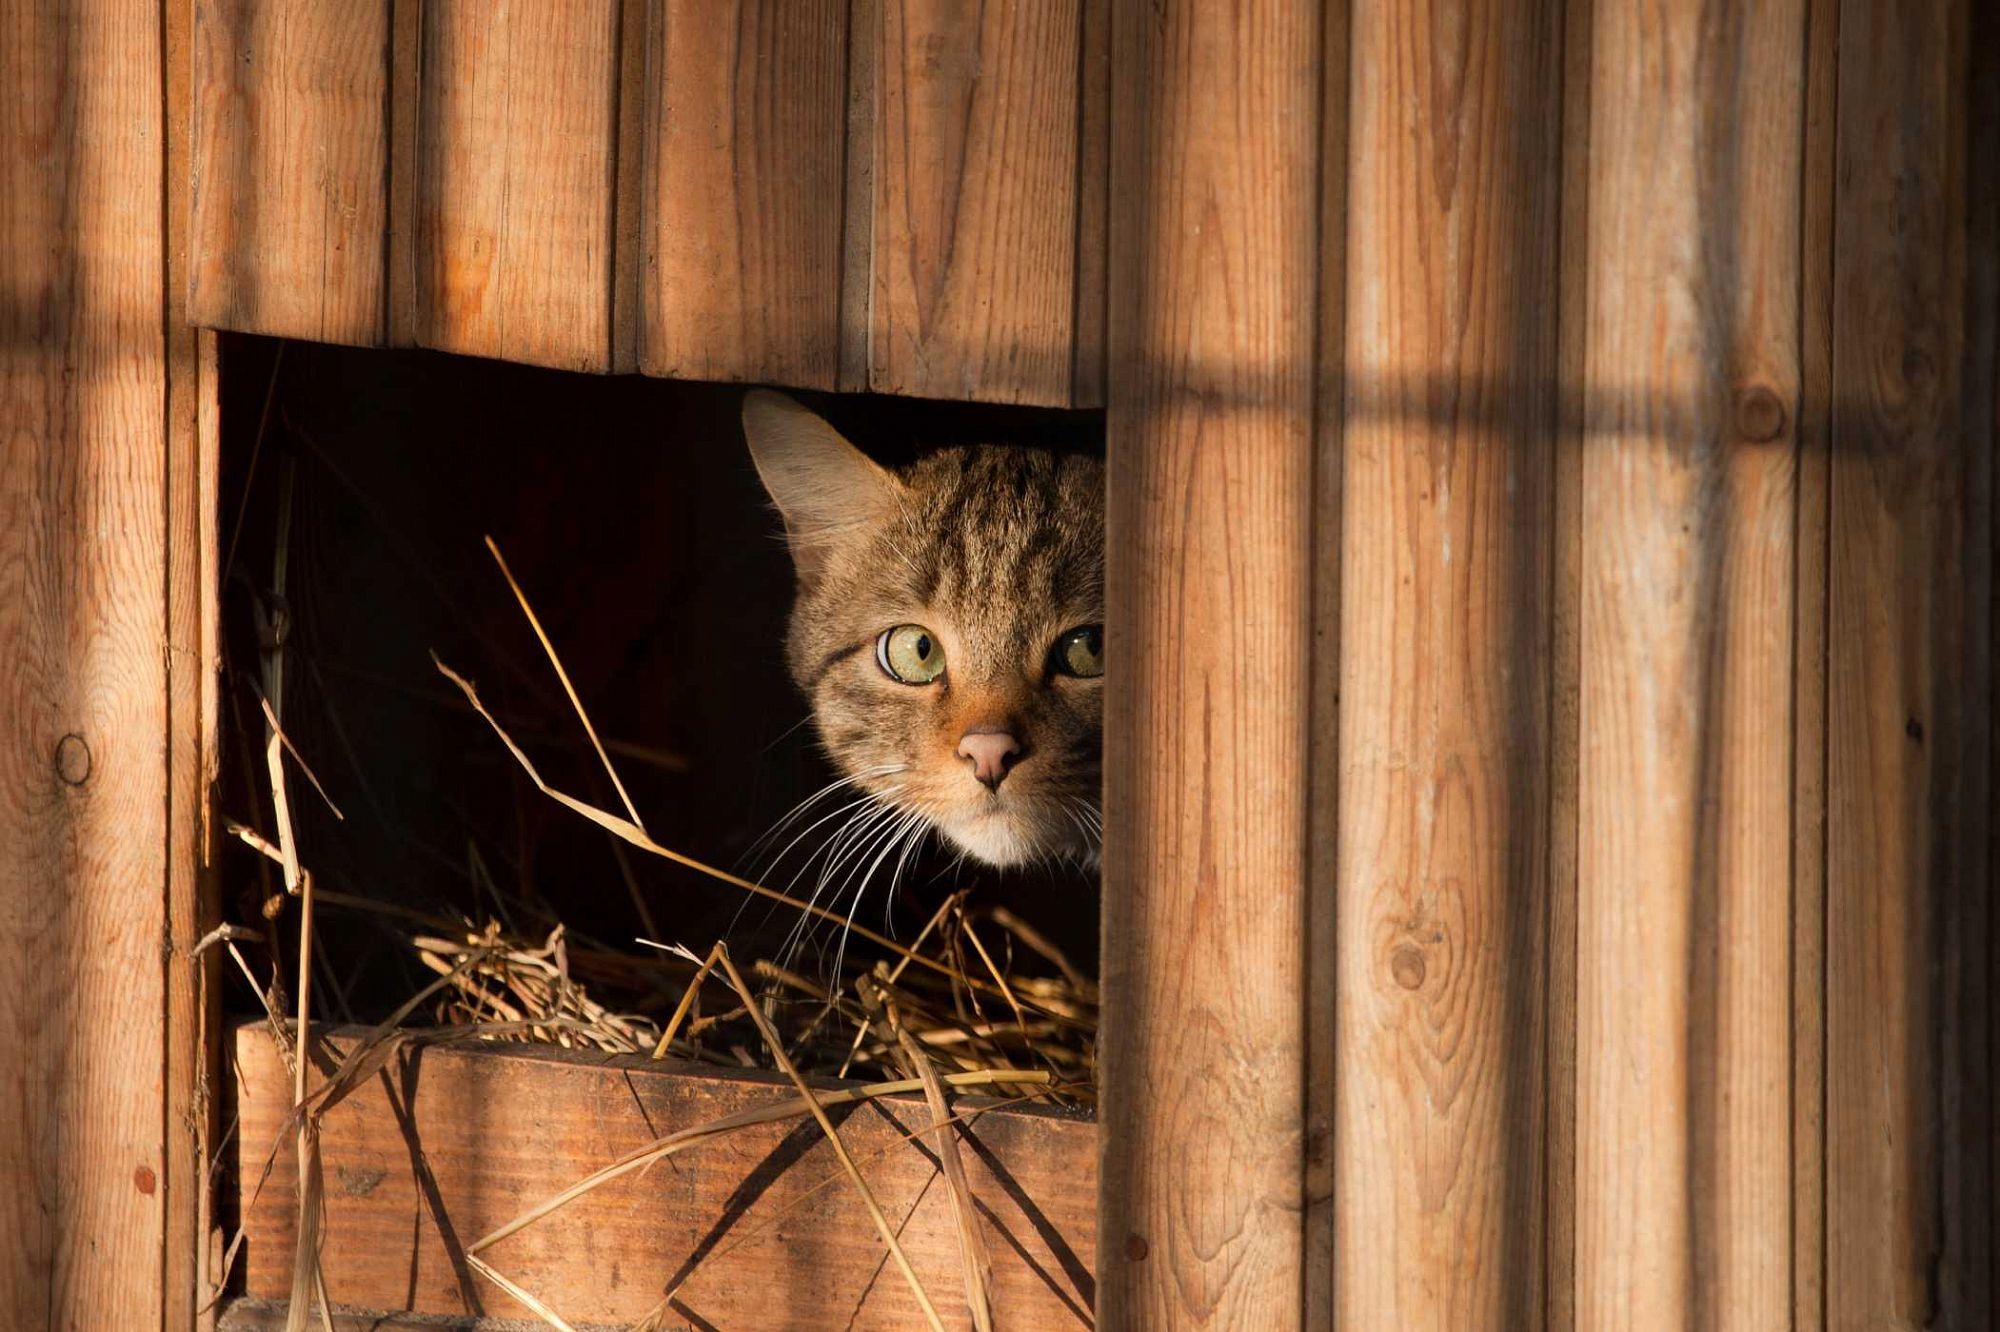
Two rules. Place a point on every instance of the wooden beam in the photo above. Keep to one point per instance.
(1909, 1073)
(1692, 382)
(974, 134)
(1214, 277)
(1810, 655)
(516, 165)
(743, 183)
(85, 751)
(193, 438)
(1453, 166)
(762, 1226)
(290, 168)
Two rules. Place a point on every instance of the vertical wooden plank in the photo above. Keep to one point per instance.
(1565, 675)
(629, 212)
(857, 241)
(1093, 197)
(1214, 228)
(516, 168)
(1683, 1175)
(1449, 446)
(1322, 907)
(1809, 747)
(1909, 1131)
(743, 185)
(191, 1056)
(290, 167)
(83, 685)
(973, 262)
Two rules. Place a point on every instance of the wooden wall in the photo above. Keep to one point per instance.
(1552, 802)
(896, 195)
(104, 495)
(1551, 737)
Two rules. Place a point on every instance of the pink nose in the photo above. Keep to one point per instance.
(991, 752)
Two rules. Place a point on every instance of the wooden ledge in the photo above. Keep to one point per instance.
(761, 1226)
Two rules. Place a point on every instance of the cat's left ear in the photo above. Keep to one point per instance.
(823, 485)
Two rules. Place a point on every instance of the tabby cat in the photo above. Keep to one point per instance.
(948, 633)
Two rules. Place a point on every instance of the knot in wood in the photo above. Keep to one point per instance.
(1760, 415)
(1136, 1247)
(1407, 965)
(73, 760)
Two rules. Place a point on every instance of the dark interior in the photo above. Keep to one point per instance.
(629, 512)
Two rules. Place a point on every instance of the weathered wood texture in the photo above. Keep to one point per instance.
(1809, 750)
(1910, 1132)
(290, 168)
(1214, 274)
(762, 1227)
(1683, 1171)
(1449, 447)
(516, 157)
(743, 180)
(97, 475)
(904, 195)
(1565, 672)
(973, 260)
(192, 438)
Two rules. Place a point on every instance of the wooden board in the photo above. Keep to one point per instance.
(1449, 448)
(83, 672)
(1683, 1165)
(1565, 670)
(1214, 278)
(1322, 905)
(763, 1226)
(743, 191)
(515, 167)
(972, 258)
(290, 168)
(1909, 1073)
(1809, 761)
(191, 578)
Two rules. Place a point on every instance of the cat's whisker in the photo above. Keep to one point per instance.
(866, 798)
(857, 832)
(798, 810)
(911, 820)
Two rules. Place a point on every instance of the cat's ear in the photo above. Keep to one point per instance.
(824, 486)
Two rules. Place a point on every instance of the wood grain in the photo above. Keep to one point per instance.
(1810, 655)
(973, 256)
(1322, 905)
(290, 168)
(743, 181)
(192, 1056)
(1683, 1174)
(1214, 277)
(762, 1226)
(516, 166)
(1909, 1130)
(1449, 447)
(83, 683)
(1565, 677)
(1093, 199)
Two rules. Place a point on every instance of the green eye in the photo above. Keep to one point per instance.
(910, 653)
(1080, 652)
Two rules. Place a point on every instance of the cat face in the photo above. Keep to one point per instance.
(948, 628)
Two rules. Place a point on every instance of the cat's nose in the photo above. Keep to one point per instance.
(991, 752)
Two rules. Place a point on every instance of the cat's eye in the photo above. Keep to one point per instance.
(910, 653)
(1080, 652)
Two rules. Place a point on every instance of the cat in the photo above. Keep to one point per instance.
(947, 631)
